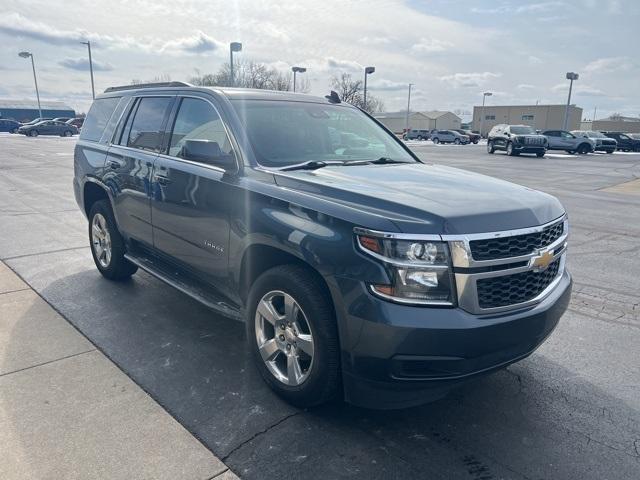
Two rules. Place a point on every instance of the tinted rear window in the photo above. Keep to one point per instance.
(147, 128)
(97, 118)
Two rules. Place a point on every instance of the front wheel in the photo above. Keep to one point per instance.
(107, 245)
(457, 141)
(510, 151)
(33, 133)
(293, 335)
(490, 147)
(610, 151)
(436, 140)
(15, 130)
(67, 133)
(583, 149)
(540, 154)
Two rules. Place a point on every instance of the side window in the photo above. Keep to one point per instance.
(527, 118)
(489, 117)
(97, 118)
(147, 125)
(197, 120)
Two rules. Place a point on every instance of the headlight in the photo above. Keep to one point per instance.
(419, 270)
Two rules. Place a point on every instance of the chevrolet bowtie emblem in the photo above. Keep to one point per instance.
(541, 262)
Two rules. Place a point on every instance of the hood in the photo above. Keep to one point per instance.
(421, 198)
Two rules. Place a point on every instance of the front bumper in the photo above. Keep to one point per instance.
(406, 355)
(529, 148)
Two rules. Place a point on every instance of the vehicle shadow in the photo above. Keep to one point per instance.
(534, 420)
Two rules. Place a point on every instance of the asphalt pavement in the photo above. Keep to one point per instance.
(569, 411)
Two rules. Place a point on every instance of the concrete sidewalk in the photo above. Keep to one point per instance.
(66, 411)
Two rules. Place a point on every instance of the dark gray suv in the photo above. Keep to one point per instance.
(516, 139)
(361, 272)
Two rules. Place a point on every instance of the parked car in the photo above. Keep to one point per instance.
(626, 143)
(34, 121)
(416, 135)
(449, 136)
(563, 140)
(602, 142)
(346, 263)
(62, 119)
(516, 139)
(473, 137)
(7, 125)
(76, 122)
(48, 127)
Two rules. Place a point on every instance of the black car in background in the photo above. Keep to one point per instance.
(516, 139)
(626, 143)
(10, 126)
(48, 127)
(473, 137)
(360, 271)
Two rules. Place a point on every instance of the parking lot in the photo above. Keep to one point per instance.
(570, 411)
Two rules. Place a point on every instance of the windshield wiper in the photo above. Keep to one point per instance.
(379, 161)
(310, 165)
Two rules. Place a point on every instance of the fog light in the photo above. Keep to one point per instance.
(427, 279)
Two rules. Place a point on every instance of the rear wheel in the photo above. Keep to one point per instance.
(457, 141)
(15, 130)
(107, 245)
(420, 137)
(490, 147)
(293, 335)
(67, 133)
(610, 151)
(33, 133)
(436, 140)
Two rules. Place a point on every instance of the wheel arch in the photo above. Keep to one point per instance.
(92, 192)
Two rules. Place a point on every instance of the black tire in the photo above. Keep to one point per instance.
(490, 147)
(435, 140)
(15, 130)
(584, 148)
(510, 151)
(33, 133)
(420, 137)
(457, 141)
(475, 142)
(323, 383)
(610, 151)
(118, 268)
(67, 133)
(540, 154)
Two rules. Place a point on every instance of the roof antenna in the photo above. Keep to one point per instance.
(333, 97)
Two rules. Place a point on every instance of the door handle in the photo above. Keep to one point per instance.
(162, 180)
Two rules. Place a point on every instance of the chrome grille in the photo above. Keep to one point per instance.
(534, 141)
(513, 289)
(518, 245)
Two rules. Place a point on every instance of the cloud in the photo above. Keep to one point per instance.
(533, 60)
(431, 45)
(532, 7)
(199, 43)
(334, 63)
(579, 89)
(374, 40)
(83, 64)
(388, 85)
(610, 64)
(525, 86)
(458, 80)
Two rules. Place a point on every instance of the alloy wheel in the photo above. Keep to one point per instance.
(284, 338)
(101, 240)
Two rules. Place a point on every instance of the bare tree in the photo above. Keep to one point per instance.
(247, 74)
(351, 91)
(165, 77)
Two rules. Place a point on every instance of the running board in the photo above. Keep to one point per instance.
(168, 274)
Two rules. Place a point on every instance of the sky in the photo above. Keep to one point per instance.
(451, 51)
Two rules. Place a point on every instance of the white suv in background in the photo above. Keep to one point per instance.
(449, 136)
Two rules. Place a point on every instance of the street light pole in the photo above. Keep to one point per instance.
(35, 79)
(93, 90)
(296, 70)
(406, 127)
(367, 71)
(571, 76)
(233, 47)
(484, 96)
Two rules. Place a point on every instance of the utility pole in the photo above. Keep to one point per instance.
(296, 70)
(93, 90)
(571, 76)
(233, 47)
(35, 79)
(406, 129)
(484, 96)
(367, 71)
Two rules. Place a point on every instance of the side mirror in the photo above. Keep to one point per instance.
(206, 151)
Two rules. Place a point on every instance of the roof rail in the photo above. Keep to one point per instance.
(147, 85)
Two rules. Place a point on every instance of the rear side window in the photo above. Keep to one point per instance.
(147, 126)
(97, 118)
(197, 120)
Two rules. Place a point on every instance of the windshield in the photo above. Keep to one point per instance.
(287, 133)
(593, 134)
(523, 130)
